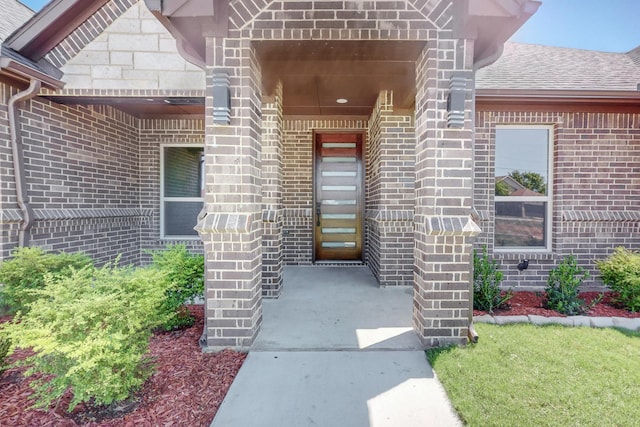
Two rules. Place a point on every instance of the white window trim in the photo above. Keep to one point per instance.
(174, 199)
(548, 198)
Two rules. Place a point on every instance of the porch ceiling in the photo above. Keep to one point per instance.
(314, 74)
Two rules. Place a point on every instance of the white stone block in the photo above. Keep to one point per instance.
(124, 84)
(121, 58)
(151, 25)
(82, 70)
(140, 75)
(623, 322)
(187, 80)
(505, 320)
(158, 61)
(90, 58)
(191, 67)
(106, 72)
(168, 45)
(601, 322)
(129, 26)
(77, 82)
(134, 42)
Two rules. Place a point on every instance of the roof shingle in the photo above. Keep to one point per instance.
(537, 67)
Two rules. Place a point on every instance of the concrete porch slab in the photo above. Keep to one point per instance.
(337, 308)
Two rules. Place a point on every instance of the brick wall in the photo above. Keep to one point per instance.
(390, 193)
(82, 177)
(153, 134)
(272, 244)
(297, 188)
(596, 189)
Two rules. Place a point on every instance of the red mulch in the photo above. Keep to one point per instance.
(525, 303)
(186, 390)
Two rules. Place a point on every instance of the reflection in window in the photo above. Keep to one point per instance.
(522, 190)
(182, 190)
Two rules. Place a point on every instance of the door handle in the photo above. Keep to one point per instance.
(318, 213)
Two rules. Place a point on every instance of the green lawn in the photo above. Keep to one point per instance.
(523, 375)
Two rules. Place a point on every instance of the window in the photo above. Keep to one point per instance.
(181, 189)
(523, 178)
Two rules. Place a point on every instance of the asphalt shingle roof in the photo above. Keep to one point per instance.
(528, 66)
(14, 14)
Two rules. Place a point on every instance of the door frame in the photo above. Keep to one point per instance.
(360, 193)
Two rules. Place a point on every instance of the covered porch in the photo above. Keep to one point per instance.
(395, 82)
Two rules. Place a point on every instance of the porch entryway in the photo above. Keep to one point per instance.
(338, 308)
(336, 349)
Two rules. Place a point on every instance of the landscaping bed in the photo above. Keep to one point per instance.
(531, 303)
(186, 389)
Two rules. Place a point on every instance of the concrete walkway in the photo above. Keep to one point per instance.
(336, 350)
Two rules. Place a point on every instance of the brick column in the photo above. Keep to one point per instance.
(390, 193)
(272, 194)
(444, 192)
(231, 222)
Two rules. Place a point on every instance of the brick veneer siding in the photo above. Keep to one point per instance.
(444, 195)
(231, 224)
(390, 194)
(82, 177)
(153, 133)
(272, 250)
(297, 188)
(596, 189)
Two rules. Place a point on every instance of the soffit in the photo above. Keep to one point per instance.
(314, 74)
(141, 107)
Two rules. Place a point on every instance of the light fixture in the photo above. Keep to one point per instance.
(342, 100)
(455, 101)
(221, 98)
(523, 264)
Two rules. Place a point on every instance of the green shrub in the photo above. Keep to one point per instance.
(90, 333)
(5, 344)
(185, 275)
(25, 272)
(621, 273)
(561, 293)
(487, 294)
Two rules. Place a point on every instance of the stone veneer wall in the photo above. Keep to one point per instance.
(82, 177)
(596, 189)
(132, 51)
(297, 188)
(390, 194)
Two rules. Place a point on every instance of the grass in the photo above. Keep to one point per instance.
(524, 375)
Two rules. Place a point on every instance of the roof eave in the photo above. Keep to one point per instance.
(550, 96)
(21, 72)
(493, 22)
(47, 28)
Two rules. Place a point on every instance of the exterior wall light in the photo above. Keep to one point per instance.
(455, 102)
(523, 265)
(221, 98)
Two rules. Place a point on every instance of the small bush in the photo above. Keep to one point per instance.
(185, 275)
(5, 344)
(25, 272)
(487, 294)
(90, 332)
(561, 293)
(621, 273)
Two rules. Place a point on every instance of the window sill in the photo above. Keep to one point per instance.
(518, 254)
